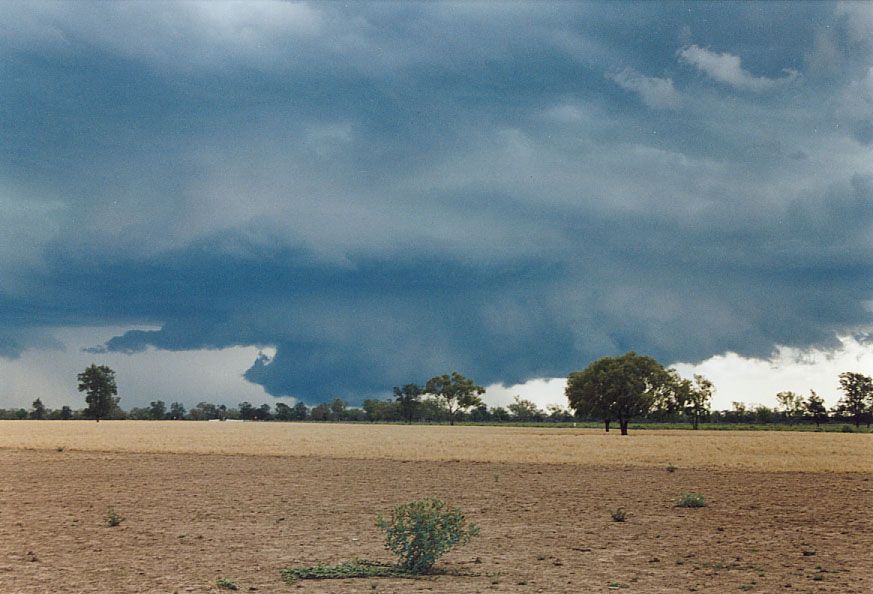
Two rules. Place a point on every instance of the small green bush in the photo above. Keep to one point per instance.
(619, 515)
(847, 429)
(671, 468)
(226, 584)
(691, 500)
(420, 532)
(113, 518)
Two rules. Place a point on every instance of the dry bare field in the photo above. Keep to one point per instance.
(749, 450)
(785, 512)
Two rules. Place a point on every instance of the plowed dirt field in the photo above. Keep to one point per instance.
(191, 517)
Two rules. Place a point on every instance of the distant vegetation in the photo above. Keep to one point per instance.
(620, 389)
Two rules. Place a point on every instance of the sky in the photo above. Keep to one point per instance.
(283, 200)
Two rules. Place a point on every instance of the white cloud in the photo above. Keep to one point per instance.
(859, 18)
(727, 68)
(171, 34)
(736, 378)
(657, 93)
(184, 376)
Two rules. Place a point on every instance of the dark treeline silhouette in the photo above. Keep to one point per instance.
(431, 410)
(664, 398)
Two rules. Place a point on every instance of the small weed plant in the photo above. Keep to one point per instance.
(226, 584)
(691, 500)
(619, 515)
(671, 468)
(420, 532)
(113, 518)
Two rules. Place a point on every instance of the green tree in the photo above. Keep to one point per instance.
(205, 411)
(177, 411)
(283, 412)
(407, 399)
(619, 388)
(300, 411)
(98, 384)
(338, 409)
(247, 412)
(815, 408)
(39, 411)
(763, 414)
(66, 413)
(457, 392)
(524, 410)
(790, 405)
(157, 410)
(320, 412)
(694, 398)
(858, 399)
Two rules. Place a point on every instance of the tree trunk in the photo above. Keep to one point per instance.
(623, 425)
(606, 424)
(695, 423)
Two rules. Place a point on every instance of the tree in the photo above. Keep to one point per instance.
(858, 399)
(338, 409)
(98, 383)
(790, 404)
(407, 399)
(157, 410)
(619, 388)
(263, 412)
(283, 412)
(695, 398)
(320, 412)
(300, 411)
(177, 411)
(739, 411)
(456, 391)
(524, 410)
(39, 411)
(66, 413)
(815, 408)
(247, 411)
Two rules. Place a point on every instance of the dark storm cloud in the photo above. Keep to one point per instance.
(387, 191)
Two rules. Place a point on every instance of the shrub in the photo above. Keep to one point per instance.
(847, 429)
(691, 500)
(671, 468)
(113, 518)
(420, 532)
(619, 515)
(226, 584)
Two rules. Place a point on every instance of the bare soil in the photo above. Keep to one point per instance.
(190, 519)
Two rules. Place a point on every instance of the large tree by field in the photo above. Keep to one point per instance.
(98, 383)
(618, 388)
(858, 399)
(456, 391)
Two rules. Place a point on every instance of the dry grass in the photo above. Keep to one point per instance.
(759, 450)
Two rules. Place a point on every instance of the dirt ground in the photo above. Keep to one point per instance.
(190, 519)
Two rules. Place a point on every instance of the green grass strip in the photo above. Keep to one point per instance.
(355, 568)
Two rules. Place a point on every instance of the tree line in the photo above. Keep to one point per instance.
(610, 390)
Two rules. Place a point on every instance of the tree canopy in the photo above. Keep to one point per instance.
(98, 384)
(618, 388)
(857, 401)
(457, 392)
